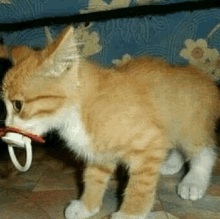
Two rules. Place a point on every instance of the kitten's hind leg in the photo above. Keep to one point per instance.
(195, 183)
(173, 164)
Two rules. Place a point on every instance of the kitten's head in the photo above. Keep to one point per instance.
(37, 89)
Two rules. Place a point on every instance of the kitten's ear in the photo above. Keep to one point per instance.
(19, 53)
(61, 54)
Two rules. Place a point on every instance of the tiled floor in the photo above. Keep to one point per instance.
(44, 191)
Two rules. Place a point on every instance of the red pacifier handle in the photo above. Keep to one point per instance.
(4, 131)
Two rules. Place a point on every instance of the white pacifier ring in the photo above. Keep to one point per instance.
(19, 141)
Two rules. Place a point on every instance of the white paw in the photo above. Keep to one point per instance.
(119, 215)
(193, 187)
(169, 169)
(76, 210)
(173, 164)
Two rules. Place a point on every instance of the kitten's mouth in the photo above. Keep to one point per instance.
(29, 134)
(21, 129)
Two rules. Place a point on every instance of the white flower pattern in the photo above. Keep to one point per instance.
(202, 57)
(119, 62)
(100, 5)
(89, 40)
(197, 51)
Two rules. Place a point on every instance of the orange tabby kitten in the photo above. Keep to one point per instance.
(132, 114)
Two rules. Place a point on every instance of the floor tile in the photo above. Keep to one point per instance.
(170, 216)
(19, 183)
(158, 206)
(157, 215)
(54, 180)
(14, 205)
(53, 202)
(152, 215)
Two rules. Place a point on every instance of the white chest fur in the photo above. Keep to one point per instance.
(75, 135)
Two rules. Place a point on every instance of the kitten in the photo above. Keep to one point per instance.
(132, 114)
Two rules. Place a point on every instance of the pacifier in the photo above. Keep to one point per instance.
(17, 138)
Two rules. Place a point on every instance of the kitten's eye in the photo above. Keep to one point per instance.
(17, 104)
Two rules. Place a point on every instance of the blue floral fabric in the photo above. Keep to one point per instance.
(116, 39)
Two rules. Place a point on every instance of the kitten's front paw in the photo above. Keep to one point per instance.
(119, 215)
(76, 210)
